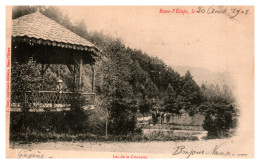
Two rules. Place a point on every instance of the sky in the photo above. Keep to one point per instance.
(212, 41)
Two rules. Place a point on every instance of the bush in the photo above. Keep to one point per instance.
(122, 119)
(220, 118)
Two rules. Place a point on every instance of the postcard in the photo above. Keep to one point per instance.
(129, 82)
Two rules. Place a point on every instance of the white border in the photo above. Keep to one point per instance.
(4, 3)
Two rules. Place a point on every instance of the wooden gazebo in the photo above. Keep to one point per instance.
(47, 42)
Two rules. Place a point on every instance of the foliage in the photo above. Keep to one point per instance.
(146, 105)
(220, 118)
(170, 100)
(25, 77)
(120, 101)
(213, 93)
(122, 117)
(219, 109)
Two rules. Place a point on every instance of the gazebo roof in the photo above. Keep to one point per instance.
(38, 28)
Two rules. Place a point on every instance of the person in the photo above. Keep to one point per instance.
(59, 86)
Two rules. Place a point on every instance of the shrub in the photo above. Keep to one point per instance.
(220, 118)
(122, 118)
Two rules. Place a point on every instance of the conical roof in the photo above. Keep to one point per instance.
(44, 30)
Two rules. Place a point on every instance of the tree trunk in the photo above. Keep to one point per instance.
(106, 128)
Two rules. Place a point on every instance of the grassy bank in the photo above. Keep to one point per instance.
(53, 137)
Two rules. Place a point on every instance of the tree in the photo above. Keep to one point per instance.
(19, 11)
(170, 99)
(187, 76)
(122, 110)
(25, 83)
(209, 125)
(145, 106)
(191, 90)
(120, 100)
(25, 78)
(80, 28)
(220, 118)
(219, 110)
(192, 111)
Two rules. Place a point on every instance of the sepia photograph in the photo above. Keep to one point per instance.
(130, 82)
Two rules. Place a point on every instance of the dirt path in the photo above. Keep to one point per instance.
(131, 147)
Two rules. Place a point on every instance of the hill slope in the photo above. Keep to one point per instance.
(203, 75)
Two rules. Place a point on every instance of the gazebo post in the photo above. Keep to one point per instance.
(93, 77)
(74, 78)
(42, 75)
(43, 70)
(78, 71)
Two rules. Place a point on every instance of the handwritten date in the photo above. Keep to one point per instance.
(232, 12)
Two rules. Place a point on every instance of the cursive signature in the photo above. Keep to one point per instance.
(28, 154)
(216, 151)
(182, 150)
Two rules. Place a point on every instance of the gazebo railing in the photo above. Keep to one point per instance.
(48, 100)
